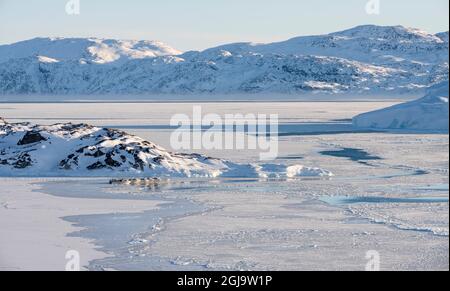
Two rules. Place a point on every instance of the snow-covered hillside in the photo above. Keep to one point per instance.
(427, 113)
(368, 43)
(85, 50)
(84, 150)
(365, 59)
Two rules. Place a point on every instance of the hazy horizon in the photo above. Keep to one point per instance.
(198, 25)
(161, 40)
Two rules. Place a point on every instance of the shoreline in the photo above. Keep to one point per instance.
(38, 237)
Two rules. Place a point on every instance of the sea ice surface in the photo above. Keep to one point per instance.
(239, 223)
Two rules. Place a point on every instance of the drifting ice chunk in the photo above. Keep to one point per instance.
(302, 171)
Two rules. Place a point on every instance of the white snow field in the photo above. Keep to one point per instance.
(389, 193)
(427, 113)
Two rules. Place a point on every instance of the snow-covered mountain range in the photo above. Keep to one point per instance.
(365, 59)
(427, 113)
(83, 150)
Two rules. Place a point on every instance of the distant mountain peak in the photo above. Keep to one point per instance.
(443, 36)
(386, 32)
(96, 50)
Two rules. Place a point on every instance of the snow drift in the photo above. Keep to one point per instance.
(427, 113)
(82, 150)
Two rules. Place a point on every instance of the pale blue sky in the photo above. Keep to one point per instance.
(198, 24)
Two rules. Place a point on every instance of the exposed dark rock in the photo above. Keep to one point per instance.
(158, 160)
(65, 165)
(96, 166)
(31, 137)
(111, 162)
(138, 163)
(139, 182)
(81, 150)
(96, 154)
(23, 161)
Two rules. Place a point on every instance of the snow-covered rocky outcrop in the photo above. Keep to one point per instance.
(427, 113)
(365, 59)
(84, 150)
